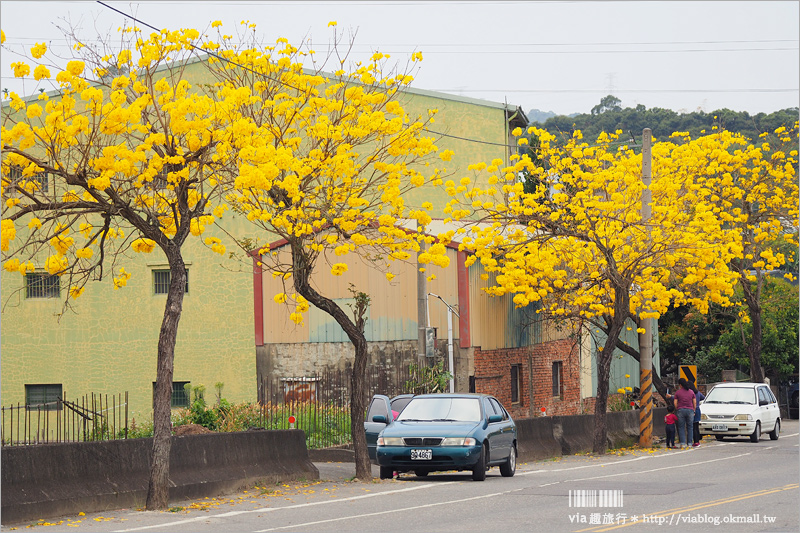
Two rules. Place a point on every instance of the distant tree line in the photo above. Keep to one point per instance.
(608, 116)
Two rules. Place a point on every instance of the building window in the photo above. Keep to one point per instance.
(42, 180)
(516, 383)
(159, 180)
(42, 286)
(162, 278)
(44, 397)
(180, 396)
(558, 379)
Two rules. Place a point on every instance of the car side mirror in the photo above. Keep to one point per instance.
(495, 418)
(763, 402)
(379, 418)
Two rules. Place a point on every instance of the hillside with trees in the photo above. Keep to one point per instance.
(608, 116)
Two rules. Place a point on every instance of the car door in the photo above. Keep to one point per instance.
(494, 432)
(379, 406)
(507, 428)
(767, 408)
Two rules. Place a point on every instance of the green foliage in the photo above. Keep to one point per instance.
(714, 342)
(779, 341)
(324, 425)
(137, 431)
(609, 117)
(428, 379)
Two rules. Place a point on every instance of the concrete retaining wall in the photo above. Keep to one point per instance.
(58, 479)
(540, 438)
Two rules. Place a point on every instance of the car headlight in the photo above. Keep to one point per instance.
(458, 441)
(703, 417)
(390, 441)
(743, 417)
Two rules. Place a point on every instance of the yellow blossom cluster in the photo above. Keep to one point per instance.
(149, 144)
(576, 236)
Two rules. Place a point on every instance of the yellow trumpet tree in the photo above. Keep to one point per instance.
(577, 245)
(754, 187)
(132, 161)
(324, 159)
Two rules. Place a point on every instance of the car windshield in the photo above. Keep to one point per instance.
(746, 395)
(442, 409)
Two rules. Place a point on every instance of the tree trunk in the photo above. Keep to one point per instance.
(158, 487)
(752, 299)
(358, 400)
(358, 408)
(621, 309)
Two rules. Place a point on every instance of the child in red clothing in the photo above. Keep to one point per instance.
(669, 425)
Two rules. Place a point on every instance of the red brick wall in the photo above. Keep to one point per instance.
(493, 376)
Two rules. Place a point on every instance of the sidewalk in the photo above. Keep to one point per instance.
(340, 472)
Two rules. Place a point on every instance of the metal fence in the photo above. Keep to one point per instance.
(319, 404)
(89, 418)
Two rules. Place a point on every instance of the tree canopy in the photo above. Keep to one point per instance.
(576, 241)
(608, 116)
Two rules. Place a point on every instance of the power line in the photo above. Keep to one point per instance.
(514, 50)
(583, 91)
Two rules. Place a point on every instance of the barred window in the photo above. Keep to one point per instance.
(516, 382)
(558, 379)
(180, 396)
(161, 281)
(15, 177)
(159, 180)
(44, 397)
(43, 180)
(42, 286)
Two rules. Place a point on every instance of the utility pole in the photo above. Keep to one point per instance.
(422, 302)
(646, 338)
(450, 363)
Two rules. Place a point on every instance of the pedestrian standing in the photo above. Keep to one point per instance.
(699, 397)
(685, 406)
(669, 426)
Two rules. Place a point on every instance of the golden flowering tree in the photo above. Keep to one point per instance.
(323, 162)
(577, 244)
(111, 164)
(754, 187)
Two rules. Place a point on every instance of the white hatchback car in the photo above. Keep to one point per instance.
(740, 410)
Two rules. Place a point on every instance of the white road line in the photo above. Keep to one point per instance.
(297, 506)
(683, 465)
(306, 524)
(429, 485)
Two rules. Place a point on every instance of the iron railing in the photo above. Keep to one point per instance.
(89, 418)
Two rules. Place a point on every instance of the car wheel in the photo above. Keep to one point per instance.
(421, 473)
(508, 468)
(719, 437)
(387, 472)
(756, 433)
(775, 433)
(479, 470)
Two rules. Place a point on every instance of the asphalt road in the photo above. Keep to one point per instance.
(733, 485)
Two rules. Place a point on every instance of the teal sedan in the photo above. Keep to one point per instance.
(438, 432)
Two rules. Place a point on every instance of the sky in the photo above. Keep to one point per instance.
(559, 56)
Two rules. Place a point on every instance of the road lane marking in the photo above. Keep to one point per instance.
(378, 513)
(694, 507)
(424, 486)
(296, 506)
(683, 465)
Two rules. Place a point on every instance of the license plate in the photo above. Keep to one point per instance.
(719, 427)
(422, 455)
